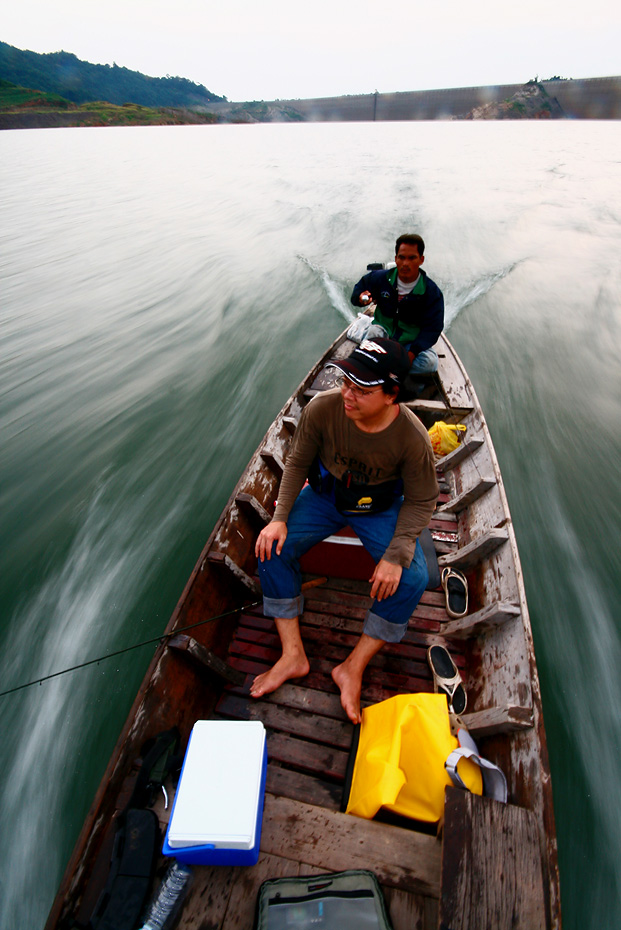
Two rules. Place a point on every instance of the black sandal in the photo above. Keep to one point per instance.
(446, 678)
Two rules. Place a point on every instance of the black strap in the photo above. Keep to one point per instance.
(159, 760)
(429, 551)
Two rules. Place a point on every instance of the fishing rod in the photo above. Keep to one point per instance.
(147, 642)
(118, 652)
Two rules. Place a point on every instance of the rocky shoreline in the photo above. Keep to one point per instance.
(532, 102)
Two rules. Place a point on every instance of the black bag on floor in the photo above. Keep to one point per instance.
(131, 871)
(351, 900)
(137, 840)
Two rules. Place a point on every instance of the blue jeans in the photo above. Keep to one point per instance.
(313, 517)
(425, 362)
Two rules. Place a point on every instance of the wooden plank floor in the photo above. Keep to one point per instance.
(308, 741)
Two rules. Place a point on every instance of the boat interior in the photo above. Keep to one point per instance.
(222, 640)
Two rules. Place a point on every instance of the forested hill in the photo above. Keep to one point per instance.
(62, 73)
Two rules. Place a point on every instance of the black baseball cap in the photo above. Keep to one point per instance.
(375, 361)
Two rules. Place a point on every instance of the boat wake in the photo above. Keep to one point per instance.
(459, 296)
(333, 289)
(456, 296)
(77, 613)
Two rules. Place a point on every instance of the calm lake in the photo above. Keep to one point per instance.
(164, 290)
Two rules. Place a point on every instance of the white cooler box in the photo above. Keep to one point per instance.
(218, 807)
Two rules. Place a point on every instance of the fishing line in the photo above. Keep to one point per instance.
(111, 655)
(313, 583)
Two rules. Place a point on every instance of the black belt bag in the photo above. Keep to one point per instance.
(352, 496)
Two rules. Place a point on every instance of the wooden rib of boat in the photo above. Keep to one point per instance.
(493, 865)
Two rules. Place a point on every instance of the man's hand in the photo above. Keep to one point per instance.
(274, 531)
(365, 298)
(385, 579)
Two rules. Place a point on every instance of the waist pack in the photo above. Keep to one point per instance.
(349, 900)
(406, 756)
(352, 496)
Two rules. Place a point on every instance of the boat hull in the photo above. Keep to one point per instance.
(219, 612)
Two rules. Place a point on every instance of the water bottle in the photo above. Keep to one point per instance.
(171, 892)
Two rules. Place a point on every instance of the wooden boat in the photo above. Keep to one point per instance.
(493, 865)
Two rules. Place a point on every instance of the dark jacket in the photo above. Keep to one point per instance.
(416, 320)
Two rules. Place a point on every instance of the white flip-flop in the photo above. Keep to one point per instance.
(456, 592)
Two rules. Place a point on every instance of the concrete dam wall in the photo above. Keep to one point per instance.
(589, 98)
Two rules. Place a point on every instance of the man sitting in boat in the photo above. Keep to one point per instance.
(409, 305)
(370, 466)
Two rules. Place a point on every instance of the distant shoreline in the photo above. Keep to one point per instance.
(92, 118)
(588, 98)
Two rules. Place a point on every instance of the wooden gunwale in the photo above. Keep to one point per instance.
(308, 736)
(543, 804)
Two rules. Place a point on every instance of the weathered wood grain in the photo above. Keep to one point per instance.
(205, 657)
(438, 409)
(463, 450)
(308, 699)
(224, 560)
(491, 866)
(208, 897)
(317, 759)
(506, 719)
(481, 620)
(477, 550)
(224, 899)
(300, 787)
(466, 498)
(400, 858)
(411, 911)
(249, 505)
(322, 729)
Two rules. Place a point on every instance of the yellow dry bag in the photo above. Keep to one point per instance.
(400, 760)
(445, 436)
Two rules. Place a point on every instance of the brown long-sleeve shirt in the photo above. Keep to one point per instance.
(402, 450)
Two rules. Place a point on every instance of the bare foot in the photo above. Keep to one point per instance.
(350, 686)
(286, 668)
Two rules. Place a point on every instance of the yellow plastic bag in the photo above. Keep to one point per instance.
(404, 743)
(445, 436)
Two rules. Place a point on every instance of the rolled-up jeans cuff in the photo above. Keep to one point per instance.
(284, 607)
(378, 628)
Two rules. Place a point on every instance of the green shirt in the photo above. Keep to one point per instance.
(407, 333)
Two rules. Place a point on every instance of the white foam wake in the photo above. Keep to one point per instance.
(333, 289)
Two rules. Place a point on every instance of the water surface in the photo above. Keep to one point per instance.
(164, 290)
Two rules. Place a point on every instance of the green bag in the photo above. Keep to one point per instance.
(351, 900)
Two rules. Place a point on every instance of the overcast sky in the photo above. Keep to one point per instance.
(282, 49)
